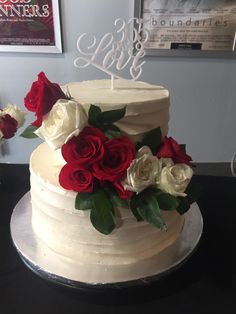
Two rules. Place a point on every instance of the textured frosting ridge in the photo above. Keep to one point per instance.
(147, 106)
(68, 231)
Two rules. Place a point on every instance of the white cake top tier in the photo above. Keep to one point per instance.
(125, 92)
(147, 106)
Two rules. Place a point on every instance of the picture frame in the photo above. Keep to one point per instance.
(202, 33)
(30, 26)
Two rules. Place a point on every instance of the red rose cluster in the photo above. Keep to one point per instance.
(92, 157)
(42, 96)
(8, 126)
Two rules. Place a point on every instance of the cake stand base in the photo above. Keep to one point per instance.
(53, 267)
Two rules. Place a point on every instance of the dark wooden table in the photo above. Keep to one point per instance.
(205, 284)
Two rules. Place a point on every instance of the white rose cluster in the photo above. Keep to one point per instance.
(147, 170)
(66, 119)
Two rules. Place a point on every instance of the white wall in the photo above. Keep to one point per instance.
(203, 91)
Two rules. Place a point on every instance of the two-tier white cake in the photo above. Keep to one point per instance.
(126, 252)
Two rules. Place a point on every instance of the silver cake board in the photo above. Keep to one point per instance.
(55, 268)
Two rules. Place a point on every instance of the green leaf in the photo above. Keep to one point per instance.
(138, 145)
(134, 207)
(29, 132)
(117, 201)
(111, 116)
(149, 210)
(111, 131)
(183, 205)
(167, 201)
(84, 201)
(153, 191)
(153, 139)
(93, 114)
(183, 147)
(101, 215)
(111, 134)
(193, 191)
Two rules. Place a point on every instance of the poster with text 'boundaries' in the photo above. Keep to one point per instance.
(190, 24)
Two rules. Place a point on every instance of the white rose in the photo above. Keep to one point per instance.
(15, 112)
(175, 179)
(66, 119)
(163, 163)
(143, 171)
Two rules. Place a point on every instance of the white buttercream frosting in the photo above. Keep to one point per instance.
(147, 106)
(68, 231)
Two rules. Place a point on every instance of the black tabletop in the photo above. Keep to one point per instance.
(204, 284)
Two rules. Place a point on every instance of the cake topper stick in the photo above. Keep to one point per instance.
(115, 52)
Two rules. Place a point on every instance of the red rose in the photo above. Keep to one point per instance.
(171, 149)
(86, 148)
(76, 178)
(119, 152)
(42, 96)
(8, 126)
(123, 194)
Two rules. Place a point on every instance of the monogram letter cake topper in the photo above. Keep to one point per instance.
(115, 51)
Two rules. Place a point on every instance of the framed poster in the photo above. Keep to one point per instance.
(30, 26)
(203, 28)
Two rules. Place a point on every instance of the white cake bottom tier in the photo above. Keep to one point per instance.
(70, 233)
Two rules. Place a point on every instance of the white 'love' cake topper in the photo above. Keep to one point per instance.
(115, 51)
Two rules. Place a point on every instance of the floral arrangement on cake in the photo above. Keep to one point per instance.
(11, 118)
(105, 168)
